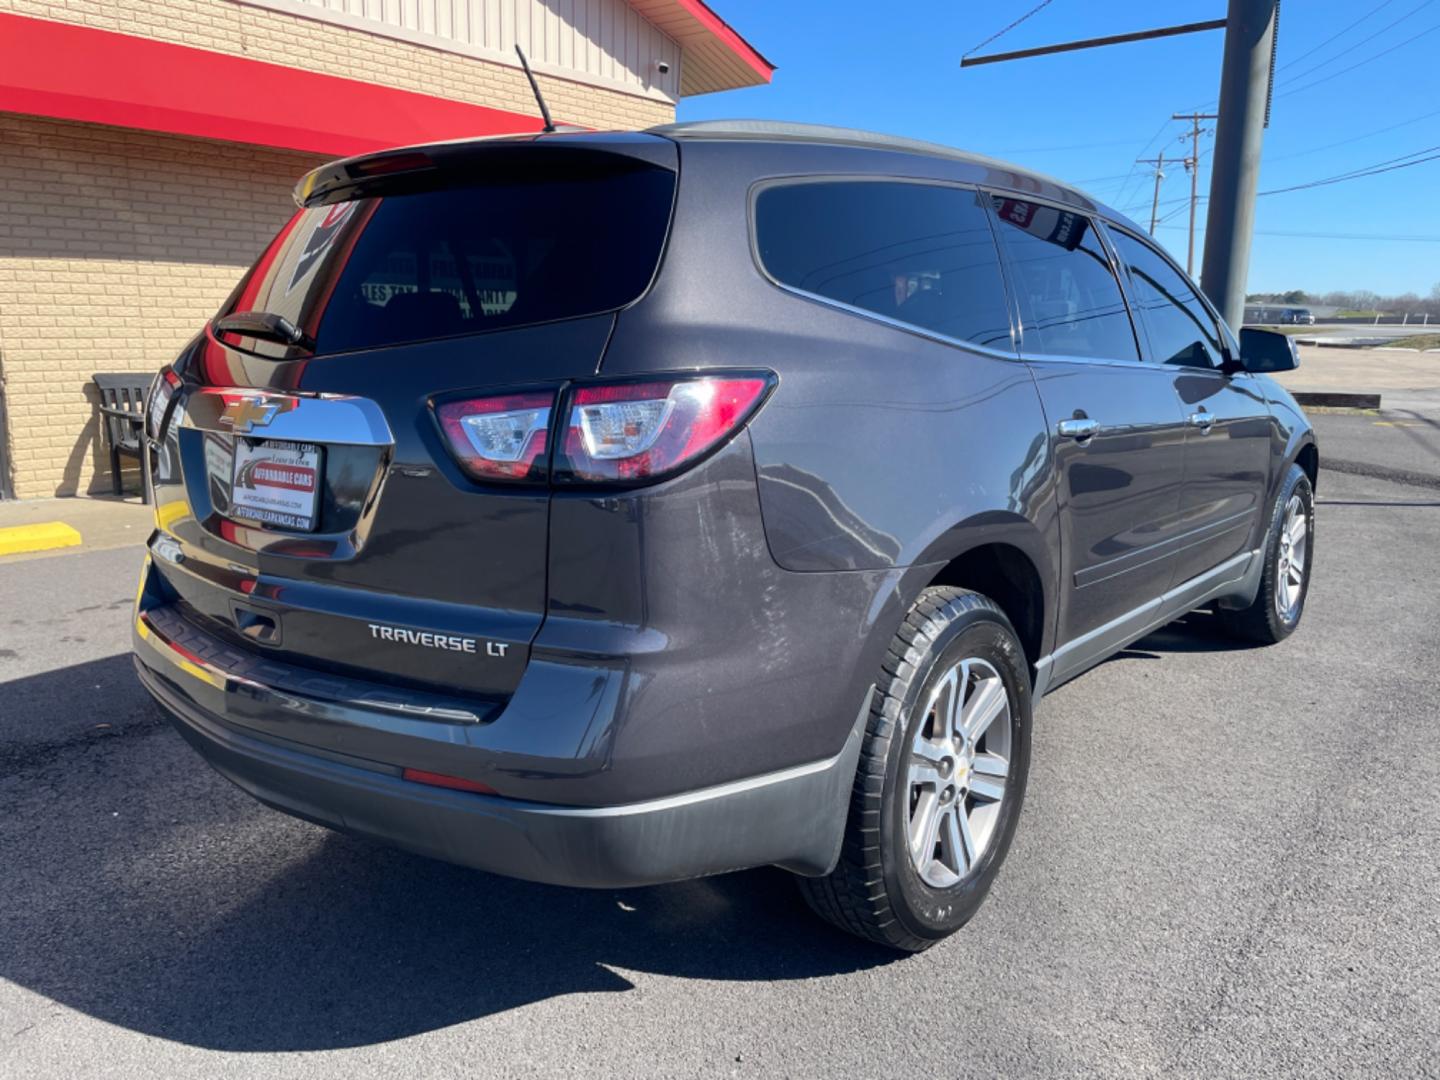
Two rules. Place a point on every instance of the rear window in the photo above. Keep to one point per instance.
(464, 258)
(921, 254)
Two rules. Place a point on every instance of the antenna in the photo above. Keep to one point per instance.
(535, 89)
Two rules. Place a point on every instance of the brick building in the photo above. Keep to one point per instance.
(148, 149)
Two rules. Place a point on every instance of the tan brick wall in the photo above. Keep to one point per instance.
(261, 34)
(115, 247)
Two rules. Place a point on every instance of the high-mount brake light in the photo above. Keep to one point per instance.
(499, 438)
(643, 431)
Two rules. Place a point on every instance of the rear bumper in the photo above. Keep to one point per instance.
(793, 818)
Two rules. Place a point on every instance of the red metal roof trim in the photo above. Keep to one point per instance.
(732, 41)
(78, 73)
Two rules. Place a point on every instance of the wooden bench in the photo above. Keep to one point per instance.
(122, 416)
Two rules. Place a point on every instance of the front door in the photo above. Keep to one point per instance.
(1117, 432)
(1227, 448)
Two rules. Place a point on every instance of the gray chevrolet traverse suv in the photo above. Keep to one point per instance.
(612, 509)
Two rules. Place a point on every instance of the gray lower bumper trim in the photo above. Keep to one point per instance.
(793, 818)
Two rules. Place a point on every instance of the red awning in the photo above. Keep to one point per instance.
(78, 73)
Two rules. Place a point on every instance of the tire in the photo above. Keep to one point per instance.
(878, 890)
(1280, 601)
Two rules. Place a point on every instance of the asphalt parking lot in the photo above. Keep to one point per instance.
(1227, 865)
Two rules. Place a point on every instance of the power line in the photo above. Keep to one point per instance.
(1341, 55)
(1357, 138)
(1359, 173)
(1332, 37)
(1001, 33)
(1073, 146)
(1148, 143)
(1372, 237)
(1362, 63)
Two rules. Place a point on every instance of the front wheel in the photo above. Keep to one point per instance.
(1289, 555)
(941, 777)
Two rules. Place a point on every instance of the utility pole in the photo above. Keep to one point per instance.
(1159, 162)
(1244, 112)
(1192, 166)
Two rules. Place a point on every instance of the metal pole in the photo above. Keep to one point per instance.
(1244, 83)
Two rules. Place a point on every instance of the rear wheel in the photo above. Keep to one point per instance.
(941, 777)
(1289, 553)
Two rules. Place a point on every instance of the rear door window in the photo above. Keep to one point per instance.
(465, 256)
(920, 254)
(1070, 302)
(1181, 329)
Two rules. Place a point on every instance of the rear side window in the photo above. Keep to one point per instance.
(1070, 302)
(921, 254)
(1181, 330)
(466, 256)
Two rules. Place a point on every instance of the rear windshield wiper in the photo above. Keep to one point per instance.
(267, 326)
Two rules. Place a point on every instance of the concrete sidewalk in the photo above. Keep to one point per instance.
(1404, 379)
(39, 527)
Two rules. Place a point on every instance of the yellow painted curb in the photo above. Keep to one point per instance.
(41, 537)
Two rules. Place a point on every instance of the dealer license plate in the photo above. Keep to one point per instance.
(276, 483)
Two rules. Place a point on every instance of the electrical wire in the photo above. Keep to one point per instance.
(1341, 55)
(1001, 33)
(1433, 153)
(1332, 37)
(1355, 139)
(1359, 64)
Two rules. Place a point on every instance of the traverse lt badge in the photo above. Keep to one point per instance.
(424, 638)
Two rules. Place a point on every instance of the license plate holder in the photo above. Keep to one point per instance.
(277, 483)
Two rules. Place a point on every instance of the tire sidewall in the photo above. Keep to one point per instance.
(1296, 482)
(923, 910)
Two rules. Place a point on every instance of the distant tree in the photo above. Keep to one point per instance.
(1435, 292)
(1295, 296)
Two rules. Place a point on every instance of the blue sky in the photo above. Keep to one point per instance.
(1086, 116)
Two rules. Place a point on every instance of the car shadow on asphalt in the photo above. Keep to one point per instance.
(142, 889)
(1197, 632)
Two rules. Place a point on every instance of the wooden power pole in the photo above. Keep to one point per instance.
(1159, 162)
(1192, 166)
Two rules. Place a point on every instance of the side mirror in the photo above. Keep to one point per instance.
(1265, 351)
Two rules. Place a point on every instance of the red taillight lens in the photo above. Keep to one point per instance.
(454, 783)
(499, 438)
(641, 431)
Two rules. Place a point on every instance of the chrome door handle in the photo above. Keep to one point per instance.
(1203, 420)
(1080, 429)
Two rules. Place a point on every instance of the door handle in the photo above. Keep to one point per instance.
(1080, 428)
(1203, 420)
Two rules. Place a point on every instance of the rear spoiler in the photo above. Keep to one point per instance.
(367, 174)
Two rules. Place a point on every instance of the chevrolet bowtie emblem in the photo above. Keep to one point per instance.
(251, 412)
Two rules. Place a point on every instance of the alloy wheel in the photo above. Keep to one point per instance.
(1292, 560)
(957, 772)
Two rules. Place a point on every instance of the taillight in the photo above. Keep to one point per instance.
(499, 438)
(645, 430)
(162, 393)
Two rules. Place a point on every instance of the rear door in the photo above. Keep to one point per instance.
(322, 514)
(1227, 443)
(1117, 432)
